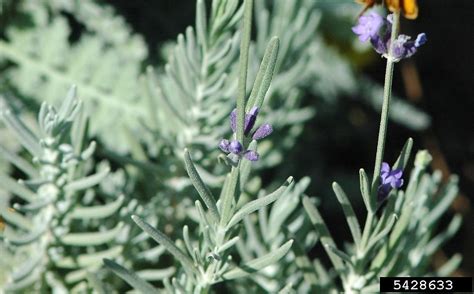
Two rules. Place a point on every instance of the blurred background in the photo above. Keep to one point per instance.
(439, 80)
(341, 138)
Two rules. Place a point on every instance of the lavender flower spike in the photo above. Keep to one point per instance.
(236, 147)
(389, 179)
(368, 26)
(378, 30)
(250, 119)
(224, 145)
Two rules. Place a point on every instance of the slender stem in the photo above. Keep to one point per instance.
(387, 93)
(243, 64)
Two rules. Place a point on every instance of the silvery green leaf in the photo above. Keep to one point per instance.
(202, 189)
(440, 239)
(89, 239)
(287, 289)
(16, 188)
(344, 256)
(402, 160)
(97, 285)
(89, 259)
(20, 285)
(11, 217)
(228, 244)
(33, 235)
(99, 211)
(87, 182)
(323, 231)
(382, 234)
(365, 191)
(19, 162)
(450, 266)
(351, 218)
(201, 24)
(156, 274)
(165, 241)
(37, 204)
(264, 75)
(259, 203)
(450, 191)
(24, 135)
(228, 197)
(130, 277)
(258, 263)
(26, 268)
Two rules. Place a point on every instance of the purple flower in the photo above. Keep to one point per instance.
(251, 155)
(368, 26)
(262, 132)
(378, 30)
(389, 179)
(236, 147)
(250, 119)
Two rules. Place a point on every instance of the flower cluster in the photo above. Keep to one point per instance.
(389, 179)
(237, 148)
(378, 30)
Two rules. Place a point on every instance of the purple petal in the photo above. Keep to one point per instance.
(233, 120)
(379, 45)
(368, 26)
(235, 147)
(250, 119)
(383, 191)
(262, 132)
(224, 145)
(251, 155)
(420, 40)
(396, 183)
(401, 49)
(398, 173)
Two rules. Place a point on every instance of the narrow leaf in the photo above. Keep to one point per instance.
(258, 263)
(165, 241)
(243, 67)
(130, 277)
(264, 75)
(16, 188)
(339, 253)
(348, 212)
(24, 135)
(99, 211)
(382, 234)
(89, 259)
(202, 189)
(404, 156)
(19, 162)
(89, 239)
(87, 182)
(323, 232)
(259, 203)
(365, 191)
(156, 274)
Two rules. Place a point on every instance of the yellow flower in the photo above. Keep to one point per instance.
(409, 8)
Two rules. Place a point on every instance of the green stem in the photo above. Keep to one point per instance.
(243, 64)
(387, 93)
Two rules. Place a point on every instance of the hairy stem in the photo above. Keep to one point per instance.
(387, 93)
(243, 64)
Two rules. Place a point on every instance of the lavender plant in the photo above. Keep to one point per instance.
(68, 211)
(395, 241)
(57, 228)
